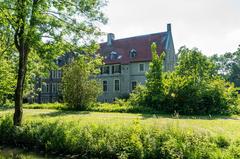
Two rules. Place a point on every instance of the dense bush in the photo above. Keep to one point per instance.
(120, 106)
(209, 97)
(193, 88)
(116, 141)
(60, 106)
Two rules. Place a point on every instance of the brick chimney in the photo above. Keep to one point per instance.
(169, 27)
(110, 38)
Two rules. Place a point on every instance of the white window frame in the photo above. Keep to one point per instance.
(45, 88)
(139, 66)
(105, 67)
(132, 85)
(54, 85)
(114, 85)
(103, 85)
(116, 66)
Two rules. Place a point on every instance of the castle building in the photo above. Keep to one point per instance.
(126, 63)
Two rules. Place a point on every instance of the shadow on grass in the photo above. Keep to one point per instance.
(63, 113)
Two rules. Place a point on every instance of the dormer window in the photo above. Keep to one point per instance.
(113, 55)
(132, 53)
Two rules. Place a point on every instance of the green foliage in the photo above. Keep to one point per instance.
(154, 79)
(78, 86)
(209, 97)
(152, 94)
(193, 88)
(7, 81)
(193, 63)
(138, 96)
(228, 66)
(122, 107)
(59, 106)
(116, 141)
(39, 31)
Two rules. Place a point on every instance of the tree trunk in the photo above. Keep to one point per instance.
(23, 50)
(19, 89)
(21, 40)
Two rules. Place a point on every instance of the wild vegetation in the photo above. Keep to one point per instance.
(193, 88)
(114, 135)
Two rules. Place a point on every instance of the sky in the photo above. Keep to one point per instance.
(213, 26)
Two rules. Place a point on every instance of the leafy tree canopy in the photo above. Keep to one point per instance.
(228, 66)
(43, 29)
(79, 87)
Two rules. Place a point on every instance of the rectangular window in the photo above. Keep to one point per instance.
(45, 88)
(105, 70)
(117, 85)
(104, 86)
(54, 74)
(59, 75)
(116, 69)
(141, 67)
(54, 87)
(134, 84)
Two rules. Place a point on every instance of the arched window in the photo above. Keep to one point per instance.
(132, 53)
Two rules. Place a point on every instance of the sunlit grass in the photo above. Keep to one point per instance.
(216, 125)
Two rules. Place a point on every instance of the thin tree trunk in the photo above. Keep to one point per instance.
(23, 47)
(19, 89)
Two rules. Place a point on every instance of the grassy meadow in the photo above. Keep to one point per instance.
(228, 126)
(124, 135)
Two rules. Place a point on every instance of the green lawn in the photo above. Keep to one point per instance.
(215, 125)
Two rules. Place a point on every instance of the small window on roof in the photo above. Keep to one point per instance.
(113, 55)
(132, 53)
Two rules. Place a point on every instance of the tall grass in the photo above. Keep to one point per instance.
(59, 106)
(121, 107)
(101, 140)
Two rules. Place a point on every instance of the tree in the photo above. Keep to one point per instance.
(228, 66)
(79, 87)
(154, 78)
(195, 87)
(152, 93)
(47, 28)
(193, 63)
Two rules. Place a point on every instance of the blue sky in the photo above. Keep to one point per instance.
(213, 26)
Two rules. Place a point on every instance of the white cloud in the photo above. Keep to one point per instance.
(211, 25)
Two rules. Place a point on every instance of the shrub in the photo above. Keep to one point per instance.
(115, 141)
(193, 88)
(209, 97)
(46, 106)
(122, 107)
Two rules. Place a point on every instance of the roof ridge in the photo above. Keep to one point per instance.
(138, 36)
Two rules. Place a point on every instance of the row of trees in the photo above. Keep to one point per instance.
(195, 86)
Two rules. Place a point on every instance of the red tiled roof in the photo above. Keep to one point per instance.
(142, 45)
